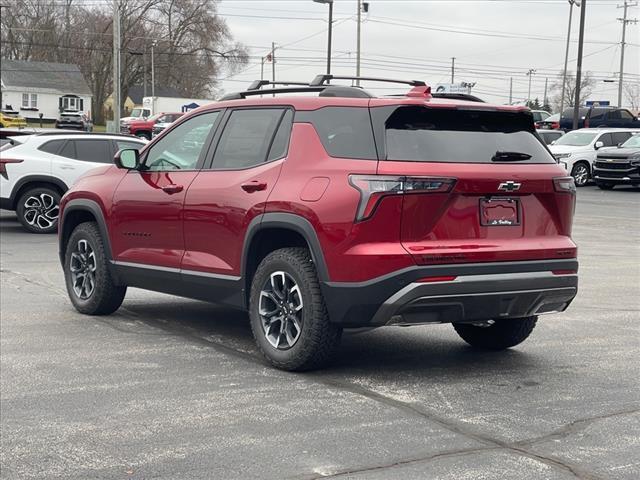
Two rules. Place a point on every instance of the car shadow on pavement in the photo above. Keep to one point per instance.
(433, 350)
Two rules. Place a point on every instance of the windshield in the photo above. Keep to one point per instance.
(137, 112)
(576, 139)
(633, 142)
(10, 113)
(155, 117)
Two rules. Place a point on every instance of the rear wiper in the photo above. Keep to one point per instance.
(510, 156)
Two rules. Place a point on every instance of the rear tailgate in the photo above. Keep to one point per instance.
(504, 203)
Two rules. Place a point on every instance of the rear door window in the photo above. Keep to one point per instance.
(607, 139)
(345, 132)
(51, 147)
(69, 150)
(98, 151)
(246, 138)
(419, 134)
(598, 114)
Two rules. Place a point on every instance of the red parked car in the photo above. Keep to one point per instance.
(318, 213)
(144, 128)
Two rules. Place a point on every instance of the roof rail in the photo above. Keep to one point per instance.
(324, 90)
(258, 84)
(323, 79)
(80, 132)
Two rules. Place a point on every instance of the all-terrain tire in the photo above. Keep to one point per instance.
(500, 335)
(106, 297)
(318, 338)
(38, 209)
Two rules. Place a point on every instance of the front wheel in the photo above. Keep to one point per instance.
(87, 276)
(38, 209)
(580, 173)
(496, 334)
(288, 314)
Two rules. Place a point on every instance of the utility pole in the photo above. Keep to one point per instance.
(153, 78)
(261, 68)
(530, 74)
(544, 102)
(453, 69)
(624, 31)
(510, 90)
(576, 103)
(116, 66)
(330, 2)
(566, 53)
(358, 42)
(273, 65)
(144, 71)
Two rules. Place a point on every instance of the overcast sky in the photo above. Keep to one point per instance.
(492, 41)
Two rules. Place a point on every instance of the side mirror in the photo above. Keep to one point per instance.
(129, 159)
(553, 143)
(599, 145)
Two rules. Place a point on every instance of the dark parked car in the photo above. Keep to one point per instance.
(74, 121)
(599, 117)
(618, 166)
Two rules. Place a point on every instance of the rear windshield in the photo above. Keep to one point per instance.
(419, 134)
(70, 118)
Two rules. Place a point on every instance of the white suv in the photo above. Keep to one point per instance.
(36, 170)
(577, 150)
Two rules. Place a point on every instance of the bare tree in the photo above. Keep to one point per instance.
(632, 94)
(587, 84)
(194, 46)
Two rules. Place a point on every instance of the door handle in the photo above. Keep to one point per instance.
(171, 189)
(254, 186)
(66, 166)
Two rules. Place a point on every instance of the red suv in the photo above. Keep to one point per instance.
(338, 210)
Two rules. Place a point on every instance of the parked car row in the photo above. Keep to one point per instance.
(37, 169)
(147, 128)
(577, 150)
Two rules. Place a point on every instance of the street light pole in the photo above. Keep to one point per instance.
(576, 103)
(153, 79)
(566, 53)
(358, 42)
(330, 2)
(530, 74)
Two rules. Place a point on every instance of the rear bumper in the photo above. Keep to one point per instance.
(478, 292)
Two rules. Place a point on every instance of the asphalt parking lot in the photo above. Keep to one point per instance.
(173, 388)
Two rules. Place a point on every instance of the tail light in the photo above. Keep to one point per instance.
(373, 188)
(3, 165)
(564, 185)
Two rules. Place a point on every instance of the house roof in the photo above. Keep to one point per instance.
(136, 93)
(61, 78)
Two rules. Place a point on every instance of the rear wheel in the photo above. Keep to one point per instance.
(38, 209)
(144, 135)
(289, 318)
(89, 283)
(605, 185)
(496, 334)
(580, 173)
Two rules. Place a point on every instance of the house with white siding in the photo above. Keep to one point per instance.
(43, 89)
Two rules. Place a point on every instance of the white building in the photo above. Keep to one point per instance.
(43, 88)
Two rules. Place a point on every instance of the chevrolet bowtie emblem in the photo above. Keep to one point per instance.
(509, 186)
